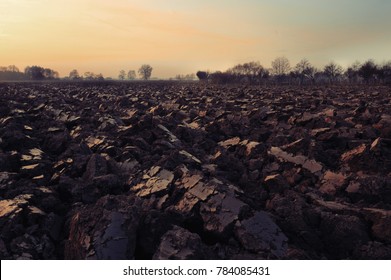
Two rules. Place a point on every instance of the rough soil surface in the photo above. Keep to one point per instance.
(194, 171)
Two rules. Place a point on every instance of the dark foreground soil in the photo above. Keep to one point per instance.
(176, 171)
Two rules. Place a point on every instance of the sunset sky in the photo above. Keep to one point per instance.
(183, 36)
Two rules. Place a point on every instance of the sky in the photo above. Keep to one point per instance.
(184, 36)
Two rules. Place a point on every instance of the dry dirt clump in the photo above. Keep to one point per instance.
(194, 171)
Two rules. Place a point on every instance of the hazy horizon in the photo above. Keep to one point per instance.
(181, 37)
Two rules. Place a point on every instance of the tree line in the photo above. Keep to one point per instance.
(145, 72)
(38, 73)
(12, 73)
(280, 72)
(302, 73)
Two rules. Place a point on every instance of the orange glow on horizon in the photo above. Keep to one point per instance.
(180, 38)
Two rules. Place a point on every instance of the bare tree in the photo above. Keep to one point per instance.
(122, 75)
(11, 73)
(99, 77)
(50, 74)
(187, 77)
(40, 73)
(89, 75)
(368, 71)
(131, 75)
(385, 72)
(302, 66)
(304, 70)
(34, 72)
(145, 71)
(250, 70)
(352, 72)
(332, 71)
(12, 68)
(280, 66)
(74, 75)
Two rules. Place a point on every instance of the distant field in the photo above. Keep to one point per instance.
(167, 170)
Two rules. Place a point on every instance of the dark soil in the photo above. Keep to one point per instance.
(194, 171)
